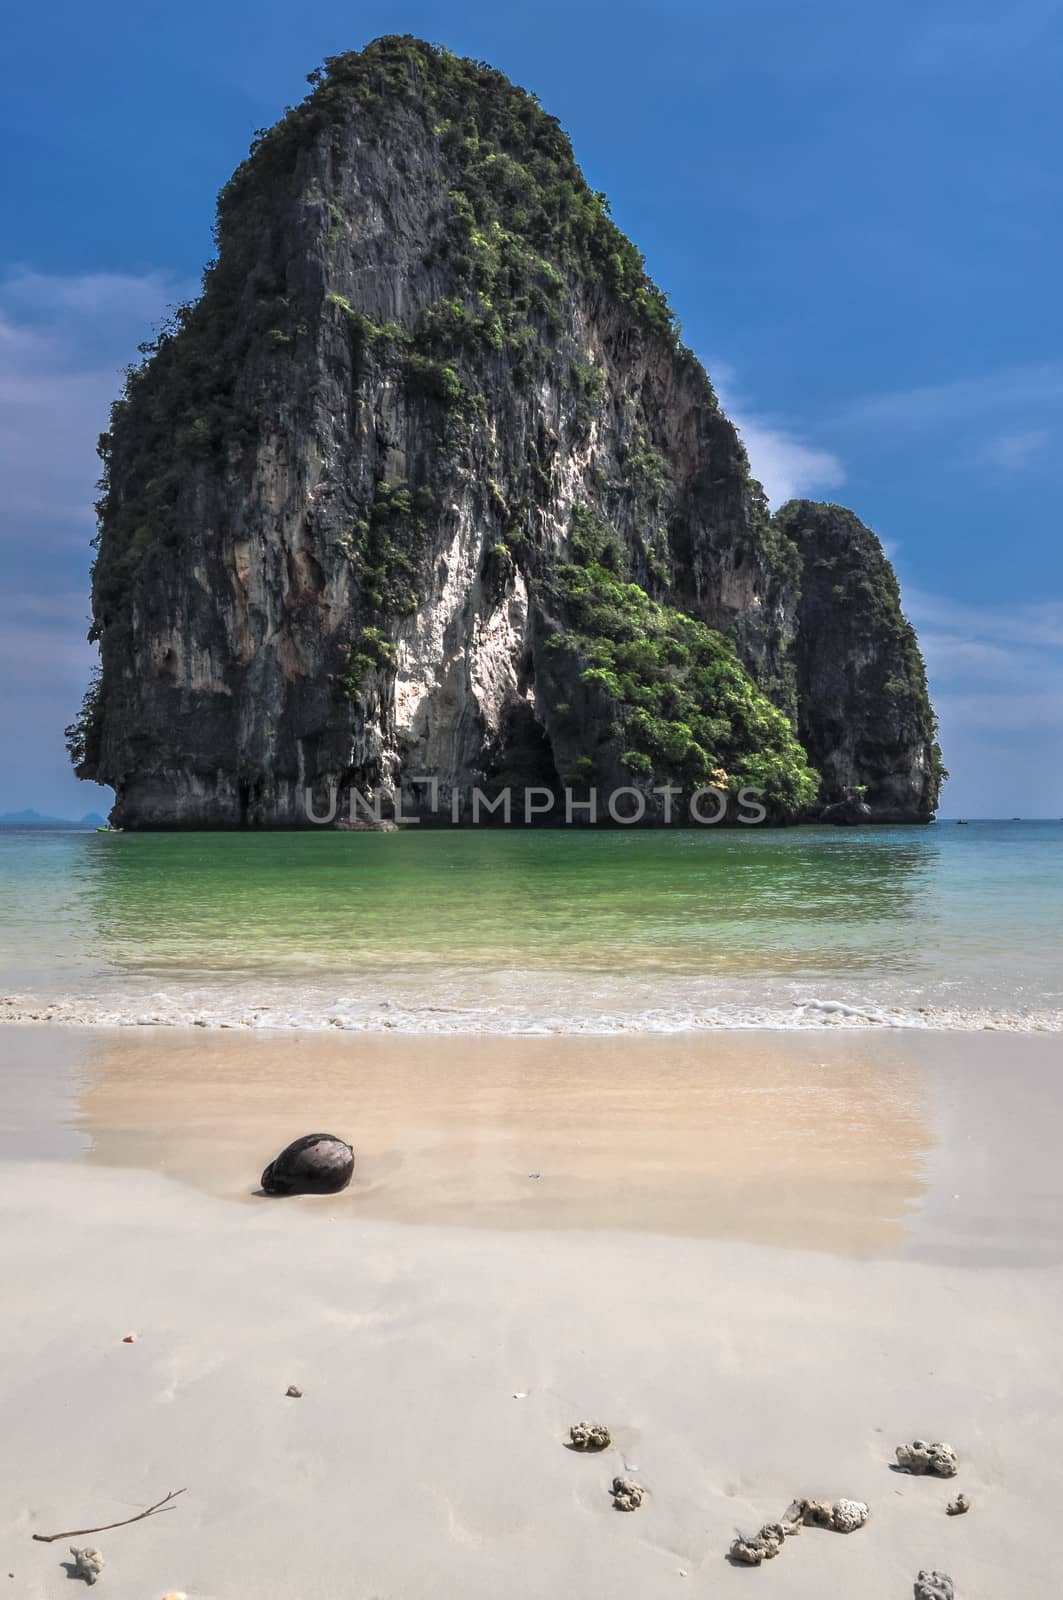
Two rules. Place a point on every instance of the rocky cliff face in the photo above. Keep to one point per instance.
(864, 715)
(426, 485)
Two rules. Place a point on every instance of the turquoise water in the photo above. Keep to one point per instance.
(498, 929)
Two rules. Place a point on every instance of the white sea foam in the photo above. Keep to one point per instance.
(838, 1008)
(510, 1018)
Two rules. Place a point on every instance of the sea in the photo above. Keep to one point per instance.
(492, 930)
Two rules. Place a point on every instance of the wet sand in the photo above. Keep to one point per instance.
(764, 1260)
(753, 1138)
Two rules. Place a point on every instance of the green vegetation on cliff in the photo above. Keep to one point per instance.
(523, 212)
(689, 710)
(80, 735)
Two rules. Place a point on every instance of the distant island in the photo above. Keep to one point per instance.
(91, 819)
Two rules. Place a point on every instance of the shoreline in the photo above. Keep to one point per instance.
(441, 1021)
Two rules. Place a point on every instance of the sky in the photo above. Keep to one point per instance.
(854, 209)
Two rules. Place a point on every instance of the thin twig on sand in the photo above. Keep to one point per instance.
(76, 1533)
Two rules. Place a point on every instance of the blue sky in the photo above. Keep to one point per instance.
(855, 210)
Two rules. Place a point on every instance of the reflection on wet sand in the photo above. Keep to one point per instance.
(775, 1139)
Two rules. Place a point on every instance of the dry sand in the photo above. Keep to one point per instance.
(763, 1260)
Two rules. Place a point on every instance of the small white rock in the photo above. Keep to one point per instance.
(849, 1515)
(88, 1563)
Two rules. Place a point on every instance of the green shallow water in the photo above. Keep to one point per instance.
(515, 928)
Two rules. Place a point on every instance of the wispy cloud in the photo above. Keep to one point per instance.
(953, 37)
(63, 344)
(785, 465)
(788, 466)
(121, 298)
(994, 422)
(998, 711)
(1011, 451)
(1034, 625)
(990, 394)
(44, 653)
(996, 677)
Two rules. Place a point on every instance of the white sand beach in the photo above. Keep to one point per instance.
(762, 1272)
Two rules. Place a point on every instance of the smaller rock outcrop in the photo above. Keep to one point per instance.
(864, 712)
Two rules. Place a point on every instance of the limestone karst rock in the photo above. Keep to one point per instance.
(425, 492)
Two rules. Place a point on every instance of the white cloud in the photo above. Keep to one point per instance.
(119, 297)
(989, 394)
(997, 421)
(996, 680)
(44, 641)
(949, 38)
(950, 654)
(1010, 451)
(49, 423)
(1038, 623)
(787, 465)
(64, 342)
(45, 663)
(47, 654)
(999, 712)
